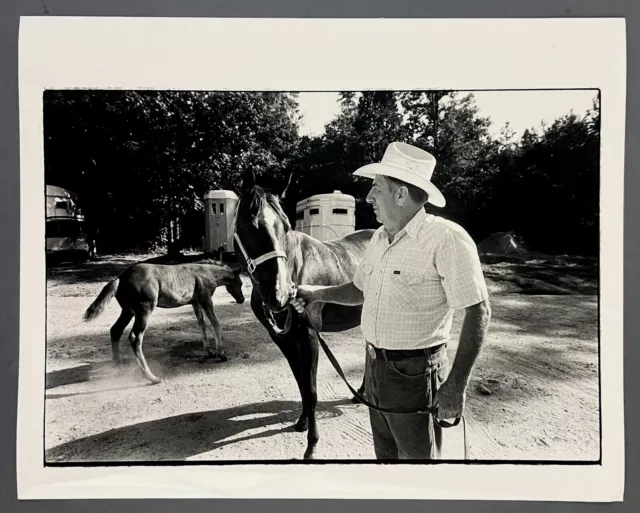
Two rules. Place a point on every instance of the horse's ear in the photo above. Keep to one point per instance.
(249, 181)
(286, 188)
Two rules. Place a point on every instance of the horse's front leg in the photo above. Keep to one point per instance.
(309, 356)
(290, 349)
(289, 346)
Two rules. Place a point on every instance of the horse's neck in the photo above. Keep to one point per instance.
(220, 276)
(294, 241)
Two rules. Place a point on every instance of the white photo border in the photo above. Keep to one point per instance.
(321, 55)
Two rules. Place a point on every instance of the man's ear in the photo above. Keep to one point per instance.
(402, 194)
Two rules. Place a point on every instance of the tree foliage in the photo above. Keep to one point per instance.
(141, 161)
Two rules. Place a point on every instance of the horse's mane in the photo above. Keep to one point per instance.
(255, 200)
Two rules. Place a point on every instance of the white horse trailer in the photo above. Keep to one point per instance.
(327, 216)
(220, 207)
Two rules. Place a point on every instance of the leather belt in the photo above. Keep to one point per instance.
(392, 355)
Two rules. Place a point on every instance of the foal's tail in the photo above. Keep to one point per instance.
(97, 307)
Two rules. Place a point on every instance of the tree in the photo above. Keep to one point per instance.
(547, 188)
(558, 180)
(442, 122)
(141, 161)
(448, 125)
(366, 124)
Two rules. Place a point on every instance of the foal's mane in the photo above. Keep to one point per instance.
(256, 199)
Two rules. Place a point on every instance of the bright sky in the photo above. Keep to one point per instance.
(522, 109)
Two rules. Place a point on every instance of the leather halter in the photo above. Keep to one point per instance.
(252, 263)
(251, 266)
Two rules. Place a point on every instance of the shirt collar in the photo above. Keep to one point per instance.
(412, 227)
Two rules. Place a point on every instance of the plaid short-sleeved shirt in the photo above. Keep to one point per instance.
(412, 285)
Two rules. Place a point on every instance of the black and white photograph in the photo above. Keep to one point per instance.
(146, 192)
(322, 277)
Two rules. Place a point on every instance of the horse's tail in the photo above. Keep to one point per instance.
(106, 294)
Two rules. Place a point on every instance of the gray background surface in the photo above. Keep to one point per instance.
(11, 10)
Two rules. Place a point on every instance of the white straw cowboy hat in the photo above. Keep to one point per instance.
(409, 164)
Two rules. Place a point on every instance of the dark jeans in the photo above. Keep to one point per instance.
(410, 383)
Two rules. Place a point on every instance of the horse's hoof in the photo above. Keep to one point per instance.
(155, 381)
(223, 358)
(308, 455)
(301, 425)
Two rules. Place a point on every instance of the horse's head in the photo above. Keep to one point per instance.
(261, 226)
(234, 287)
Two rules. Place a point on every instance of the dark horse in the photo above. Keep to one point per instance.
(279, 259)
(143, 287)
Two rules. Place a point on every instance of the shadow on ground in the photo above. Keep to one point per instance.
(545, 316)
(535, 274)
(183, 436)
(72, 376)
(172, 345)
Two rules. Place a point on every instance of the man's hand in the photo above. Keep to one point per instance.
(450, 397)
(450, 400)
(346, 294)
(304, 296)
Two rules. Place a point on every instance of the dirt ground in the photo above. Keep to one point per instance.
(533, 395)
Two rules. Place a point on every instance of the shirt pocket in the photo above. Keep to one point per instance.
(366, 278)
(407, 289)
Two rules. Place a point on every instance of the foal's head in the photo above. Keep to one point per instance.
(261, 225)
(234, 287)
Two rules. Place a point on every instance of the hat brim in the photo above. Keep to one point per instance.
(371, 170)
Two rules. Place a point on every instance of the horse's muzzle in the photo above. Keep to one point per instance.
(279, 299)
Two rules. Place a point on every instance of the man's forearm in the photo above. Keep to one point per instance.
(472, 335)
(347, 294)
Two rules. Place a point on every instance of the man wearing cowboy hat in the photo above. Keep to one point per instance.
(417, 270)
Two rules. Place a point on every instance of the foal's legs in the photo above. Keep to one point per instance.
(205, 342)
(116, 333)
(135, 338)
(208, 309)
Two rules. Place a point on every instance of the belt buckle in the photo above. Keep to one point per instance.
(372, 351)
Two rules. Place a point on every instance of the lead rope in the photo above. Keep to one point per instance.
(464, 437)
(434, 388)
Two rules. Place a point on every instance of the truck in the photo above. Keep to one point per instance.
(64, 229)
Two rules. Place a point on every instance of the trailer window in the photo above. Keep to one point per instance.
(213, 209)
(222, 208)
(64, 228)
(300, 215)
(62, 204)
(314, 211)
(341, 211)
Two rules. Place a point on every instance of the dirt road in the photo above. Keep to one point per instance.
(533, 396)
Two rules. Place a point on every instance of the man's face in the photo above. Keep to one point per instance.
(382, 197)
